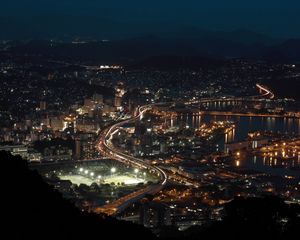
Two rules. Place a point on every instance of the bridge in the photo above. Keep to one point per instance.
(107, 149)
(216, 103)
(265, 94)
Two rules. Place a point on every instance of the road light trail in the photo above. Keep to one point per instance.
(267, 92)
(105, 147)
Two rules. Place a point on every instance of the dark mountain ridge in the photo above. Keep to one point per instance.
(137, 49)
(69, 27)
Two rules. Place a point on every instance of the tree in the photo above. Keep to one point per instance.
(35, 210)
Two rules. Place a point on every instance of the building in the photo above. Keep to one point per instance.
(118, 101)
(54, 154)
(23, 151)
(43, 105)
(56, 124)
(246, 145)
(77, 149)
(98, 98)
(155, 215)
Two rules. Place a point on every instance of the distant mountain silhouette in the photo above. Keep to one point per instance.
(166, 62)
(248, 37)
(140, 48)
(288, 50)
(134, 41)
(61, 27)
(68, 27)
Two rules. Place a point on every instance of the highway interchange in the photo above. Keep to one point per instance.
(107, 149)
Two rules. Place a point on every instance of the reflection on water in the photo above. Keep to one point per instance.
(244, 125)
(278, 166)
(229, 137)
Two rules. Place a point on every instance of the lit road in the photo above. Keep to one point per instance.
(266, 92)
(106, 148)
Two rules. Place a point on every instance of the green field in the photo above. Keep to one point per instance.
(79, 179)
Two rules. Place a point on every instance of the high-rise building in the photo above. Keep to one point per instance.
(155, 215)
(163, 147)
(118, 101)
(131, 106)
(98, 98)
(89, 103)
(77, 149)
(43, 105)
(56, 124)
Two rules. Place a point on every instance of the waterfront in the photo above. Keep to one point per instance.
(243, 126)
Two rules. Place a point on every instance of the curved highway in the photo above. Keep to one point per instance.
(266, 91)
(106, 148)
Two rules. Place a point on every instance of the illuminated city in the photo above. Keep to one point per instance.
(169, 132)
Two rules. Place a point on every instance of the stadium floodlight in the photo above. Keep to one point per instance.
(113, 170)
(136, 170)
(86, 171)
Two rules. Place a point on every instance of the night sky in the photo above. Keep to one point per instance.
(279, 18)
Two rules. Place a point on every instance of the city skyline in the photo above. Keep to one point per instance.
(150, 119)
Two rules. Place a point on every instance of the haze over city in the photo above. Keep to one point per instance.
(150, 119)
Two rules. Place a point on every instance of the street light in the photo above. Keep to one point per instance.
(113, 170)
(81, 170)
(86, 171)
(92, 174)
(136, 171)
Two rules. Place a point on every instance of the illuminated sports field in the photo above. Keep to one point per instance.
(78, 179)
(123, 179)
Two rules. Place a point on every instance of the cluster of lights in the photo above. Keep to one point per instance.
(91, 174)
(285, 151)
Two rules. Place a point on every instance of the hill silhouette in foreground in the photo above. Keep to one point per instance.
(35, 210)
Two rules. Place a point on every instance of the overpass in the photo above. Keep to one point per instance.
(264, 95)
(107, 149)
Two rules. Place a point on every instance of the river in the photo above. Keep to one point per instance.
(244, 125)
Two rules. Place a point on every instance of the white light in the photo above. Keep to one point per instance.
(136, 170)
(86, 171)
(113, 170)
(81, 170)
(99, 177)
(92, 174)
